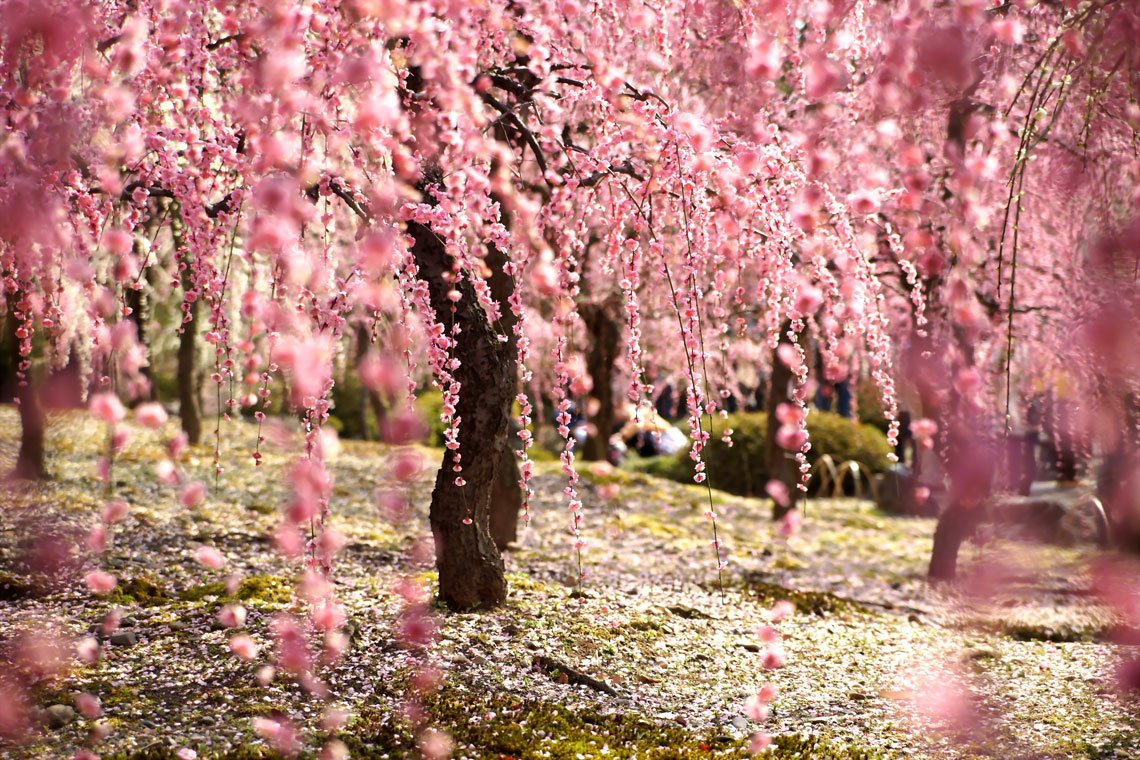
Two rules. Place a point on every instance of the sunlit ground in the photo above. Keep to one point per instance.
(877, 664)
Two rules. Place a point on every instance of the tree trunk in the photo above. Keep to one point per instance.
(134, 299)
(470, 569)
(370, 398)
(605, 337)
(30, 459)
(506, 495)
(506, 500)
(782, 465)
(956, 524)
(188, 405)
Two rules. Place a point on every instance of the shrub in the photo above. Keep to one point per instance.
(742, 469)
(869, 404)
(429, 403)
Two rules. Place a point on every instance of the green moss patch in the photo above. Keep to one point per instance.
(807, 602)
(141, 591)
(271, 589)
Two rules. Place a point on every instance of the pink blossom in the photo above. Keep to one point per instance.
(151, 415)
(436, 745)
(405, 465)
(96, 540)
(178, 444)
(767, 634)
(87, 649)
(768, 692)
(107, 407)
(781, 610)
(777, 490)
(789, 524)
(100, 582)
(609, 491)
(1008, 30)
(773, 657)
(232, 616)
(755, 709)
(15, 714)
(279, 732)
(808, 299)
(328, 616)
(244, 647)
(111, 621)
(791, 437)
(968, 381)
(167, 473)
(192, 495)
(823, 76)
(210, 557)
(759, 742)
(334, 719)
(544, 278)
(924, 430)
(114, 510)
(88, 705)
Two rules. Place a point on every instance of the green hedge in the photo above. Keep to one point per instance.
(742, 469)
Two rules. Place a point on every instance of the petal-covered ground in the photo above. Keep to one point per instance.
(877, 665)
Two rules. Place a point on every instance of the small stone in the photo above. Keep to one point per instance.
(58, 716)
(128, 622)
(680, 720)
(750, 646)
(124, 639)
(179, 625)
(740, 723)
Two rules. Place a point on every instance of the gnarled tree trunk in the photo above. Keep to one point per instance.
(470, 568)
(605, 338)
(506, 499)
(506, 494)
(188, 405)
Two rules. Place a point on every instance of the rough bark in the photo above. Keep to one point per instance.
(506, 495)
(782, 465)
(506, 500)
(470, 568)
(605, 338)
(188, 404)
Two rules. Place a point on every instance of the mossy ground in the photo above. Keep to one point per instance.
(653, 620)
